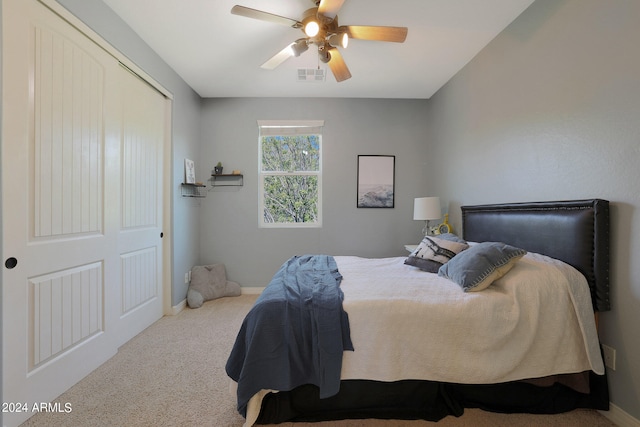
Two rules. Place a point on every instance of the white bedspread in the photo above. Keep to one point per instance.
(407, 324)
(535, 321)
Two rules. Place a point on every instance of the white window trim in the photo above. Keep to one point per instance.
(289, 127)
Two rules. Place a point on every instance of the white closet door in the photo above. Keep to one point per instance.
(81, 205)
(139, 238)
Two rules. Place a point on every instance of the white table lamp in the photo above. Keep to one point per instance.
(426, 209)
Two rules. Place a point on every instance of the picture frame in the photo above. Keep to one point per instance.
(189, 172)
(376, 181)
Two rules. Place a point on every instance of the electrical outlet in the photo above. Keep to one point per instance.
(186, 278)
(609, 356)
(189, 276)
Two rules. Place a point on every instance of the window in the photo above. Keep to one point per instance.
(290, 173)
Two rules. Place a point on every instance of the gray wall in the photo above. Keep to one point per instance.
(550, 111)
(185, 132)
(229, 223)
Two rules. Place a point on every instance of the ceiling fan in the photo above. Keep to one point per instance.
(321, 28)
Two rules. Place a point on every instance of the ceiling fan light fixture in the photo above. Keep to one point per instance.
(299, 47)
(324, 55)
(339, 40)
(321, 28)
(311, 28)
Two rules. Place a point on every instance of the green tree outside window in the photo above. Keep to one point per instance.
(290, 169)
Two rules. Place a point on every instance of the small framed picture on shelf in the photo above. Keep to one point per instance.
(189, 172)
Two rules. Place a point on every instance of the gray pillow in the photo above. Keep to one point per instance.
(451, 237)
(209, 282)
(434, 251)
(479, 266)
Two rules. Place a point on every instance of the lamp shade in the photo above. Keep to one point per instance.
(426, 208)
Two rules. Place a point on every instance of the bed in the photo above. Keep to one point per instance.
(403, 343)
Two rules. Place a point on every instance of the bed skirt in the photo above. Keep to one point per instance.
(427, 400)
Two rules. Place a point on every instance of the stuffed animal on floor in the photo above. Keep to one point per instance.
(210, 282)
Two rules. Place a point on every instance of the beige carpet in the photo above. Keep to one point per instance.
(172, 374)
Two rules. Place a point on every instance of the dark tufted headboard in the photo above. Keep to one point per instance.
(576, 232)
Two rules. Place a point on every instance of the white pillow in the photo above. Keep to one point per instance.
(434, 251)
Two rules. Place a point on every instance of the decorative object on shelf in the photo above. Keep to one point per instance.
(217, 169)
(426, 209)
(445, 227)
(236, 172)
(189, 172)
(376, 185)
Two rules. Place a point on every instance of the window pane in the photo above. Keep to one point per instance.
(291, 153)
(290, 199)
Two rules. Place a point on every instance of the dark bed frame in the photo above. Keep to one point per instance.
(576, 232)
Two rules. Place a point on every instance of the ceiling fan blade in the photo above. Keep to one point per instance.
(265, 16)
(278, 58)
(338, 66)
(383, 34)
(330, 8)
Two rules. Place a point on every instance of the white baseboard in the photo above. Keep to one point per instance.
(252, 290)
(620, 417)
(178, 308)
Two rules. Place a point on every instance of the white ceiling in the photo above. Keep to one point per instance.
(219, 54)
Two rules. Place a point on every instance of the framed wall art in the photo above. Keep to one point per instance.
(189, 171)
(376, 181)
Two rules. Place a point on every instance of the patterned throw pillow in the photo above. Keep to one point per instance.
(434, 251)
(481, 265)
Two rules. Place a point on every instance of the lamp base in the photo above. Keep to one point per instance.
(425, 230)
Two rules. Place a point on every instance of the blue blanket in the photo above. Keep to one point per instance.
(295, 333)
